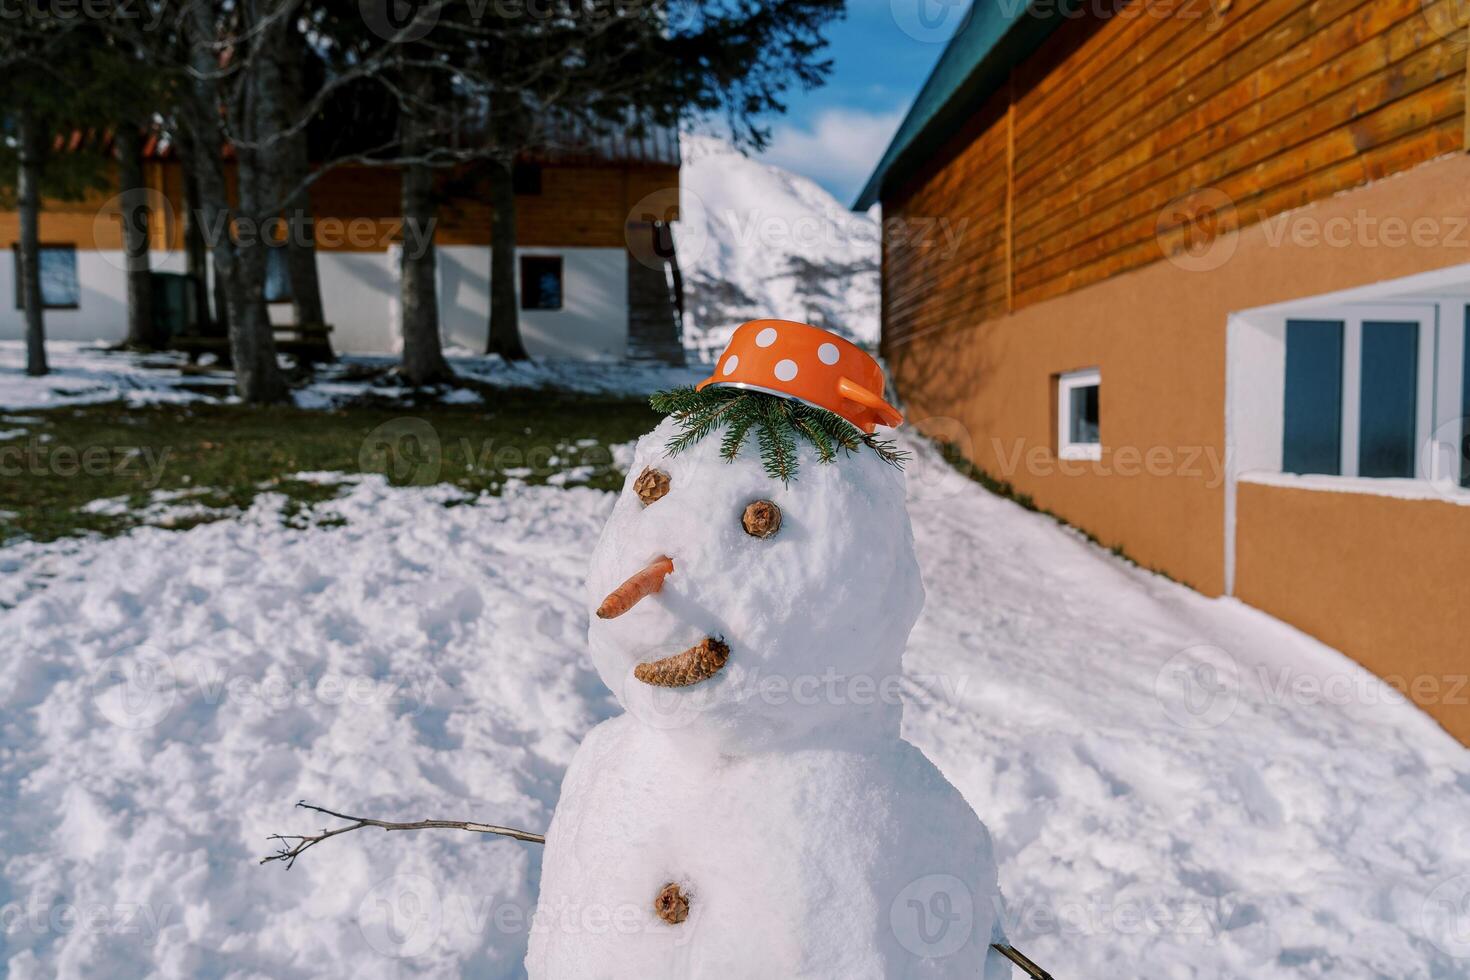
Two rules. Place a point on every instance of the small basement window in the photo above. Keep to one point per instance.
(1079, 433)
(541, 282)
(59, 287)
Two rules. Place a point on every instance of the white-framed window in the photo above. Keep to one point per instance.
(1079, 433)
(1359, 389)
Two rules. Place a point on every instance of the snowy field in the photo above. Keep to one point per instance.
(1177, 787)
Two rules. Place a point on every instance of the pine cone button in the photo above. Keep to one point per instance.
(761, 519)
(651, 485)
(672, 905)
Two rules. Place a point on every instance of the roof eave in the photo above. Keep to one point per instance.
(976, 62)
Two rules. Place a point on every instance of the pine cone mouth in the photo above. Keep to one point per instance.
(699, 663)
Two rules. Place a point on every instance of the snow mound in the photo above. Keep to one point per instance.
(755, 240)
(169, 695)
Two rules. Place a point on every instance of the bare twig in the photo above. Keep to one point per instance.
(293, 846)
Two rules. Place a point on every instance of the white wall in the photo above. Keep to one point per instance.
(102, 313)
(591, 325)
(360, 293)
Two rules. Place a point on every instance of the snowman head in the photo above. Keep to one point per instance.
(740, 611)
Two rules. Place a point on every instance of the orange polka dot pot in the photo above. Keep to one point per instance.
(800, 361)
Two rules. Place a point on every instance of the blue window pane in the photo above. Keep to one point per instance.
(58, 272)
(277, 276)
(1390, 383)
(541, 282)
(1312, 431)
(59, 277)
(1084, 416)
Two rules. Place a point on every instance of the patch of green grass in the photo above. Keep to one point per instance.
(98, 468)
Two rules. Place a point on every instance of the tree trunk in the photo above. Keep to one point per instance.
(28, 193)
(196, 254)
(306, 290)
(423, 352)
(135, 216)
(239, 264)
(505, 328)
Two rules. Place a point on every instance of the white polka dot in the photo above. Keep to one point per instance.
(827, 353)
(785, 370)
(766, 337)
(731, 363)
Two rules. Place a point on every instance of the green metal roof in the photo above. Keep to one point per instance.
(995, 37)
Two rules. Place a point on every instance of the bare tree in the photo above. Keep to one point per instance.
(28, 194)
(128, 148)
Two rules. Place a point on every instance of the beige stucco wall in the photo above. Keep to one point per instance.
(1382, 579)
(1158, 334)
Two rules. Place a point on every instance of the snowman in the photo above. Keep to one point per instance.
(755, 811)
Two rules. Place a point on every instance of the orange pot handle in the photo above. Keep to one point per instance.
(853, 391)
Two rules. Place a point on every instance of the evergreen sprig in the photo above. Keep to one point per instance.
(777, 422)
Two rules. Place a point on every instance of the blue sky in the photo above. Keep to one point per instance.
(881, 52)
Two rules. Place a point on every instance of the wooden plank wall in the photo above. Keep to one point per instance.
(1121, 126)
(579, 206)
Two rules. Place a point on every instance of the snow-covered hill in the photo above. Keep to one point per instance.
(756, 240)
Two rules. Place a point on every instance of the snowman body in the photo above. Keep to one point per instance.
(776, 796)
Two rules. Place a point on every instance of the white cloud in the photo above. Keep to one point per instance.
(838, 149)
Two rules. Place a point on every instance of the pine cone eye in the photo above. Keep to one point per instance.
(651, 485)
(761, 519)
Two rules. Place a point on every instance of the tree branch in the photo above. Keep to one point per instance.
(290, 851)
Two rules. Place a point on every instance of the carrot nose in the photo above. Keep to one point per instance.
(644, 582)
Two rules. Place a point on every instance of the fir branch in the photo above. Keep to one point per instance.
(842, 432)
(886, 450)
(778, 448)
(804, 418)
(778, 423)
(741, 421)
(700, 422)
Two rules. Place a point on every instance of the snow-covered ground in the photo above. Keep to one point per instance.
(86, 374)
(755, 240)
(1178, 787)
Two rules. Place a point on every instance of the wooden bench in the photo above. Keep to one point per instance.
(309, 342)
